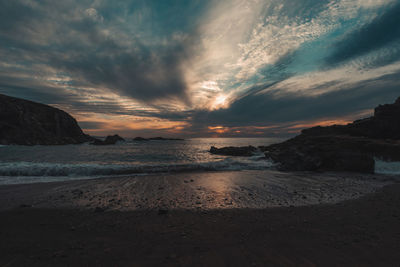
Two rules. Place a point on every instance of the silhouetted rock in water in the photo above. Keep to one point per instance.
(244, 151)
(110, 140)
(140, 139)
(157, 139)
(24, 122)
(351, 147)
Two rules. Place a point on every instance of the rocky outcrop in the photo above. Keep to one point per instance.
(244, 151)
(140, 139)
(109, 140)
(385, 124)
(332, 153)
(24, 122)
(351, 147)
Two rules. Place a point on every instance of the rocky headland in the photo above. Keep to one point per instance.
(352, 147)
(25, 122)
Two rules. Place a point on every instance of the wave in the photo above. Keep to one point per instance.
(21, 169)
(386, 167)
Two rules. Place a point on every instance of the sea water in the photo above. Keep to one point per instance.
(22, 164)
(386, 167)
(30, 164)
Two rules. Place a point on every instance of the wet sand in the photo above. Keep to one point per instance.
(199, 191)
(203, 219)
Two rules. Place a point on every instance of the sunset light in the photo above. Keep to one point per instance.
(231, 62)
(199, 133)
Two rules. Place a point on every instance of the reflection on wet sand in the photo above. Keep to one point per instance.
(204, 191)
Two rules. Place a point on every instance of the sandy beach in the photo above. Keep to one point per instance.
(195, 191)
(249, 218)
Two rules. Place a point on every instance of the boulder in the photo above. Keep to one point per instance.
(110, 140)
(245, 151)
(25, 122)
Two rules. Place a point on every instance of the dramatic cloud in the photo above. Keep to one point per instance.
(201, 68)
(79, 43)
(382, 32)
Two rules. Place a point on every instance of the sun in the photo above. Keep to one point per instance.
(220, 101)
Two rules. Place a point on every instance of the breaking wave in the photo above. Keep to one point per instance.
(386, 167)
(18, 169)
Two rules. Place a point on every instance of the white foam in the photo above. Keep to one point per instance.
(35, 169)
(386, 167)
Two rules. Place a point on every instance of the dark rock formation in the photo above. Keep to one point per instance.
(110, 140)
(157, 139)
(385, 124)
(351, 147)
(24, 122)
(244, 151)
(140, 139)
(331, 153)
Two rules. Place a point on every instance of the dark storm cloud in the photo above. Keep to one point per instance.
(94, 51)
(381, 32)
(142, 74)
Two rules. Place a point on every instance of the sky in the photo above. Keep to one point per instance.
(202, 68)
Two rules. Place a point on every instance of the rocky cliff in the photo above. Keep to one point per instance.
(351, 147)
(385, 124)
(24, 122)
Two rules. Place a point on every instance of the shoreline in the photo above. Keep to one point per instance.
(362, 231)
(195, 190)
(246, 218)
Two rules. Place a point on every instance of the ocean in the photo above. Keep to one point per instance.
(30, 164)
